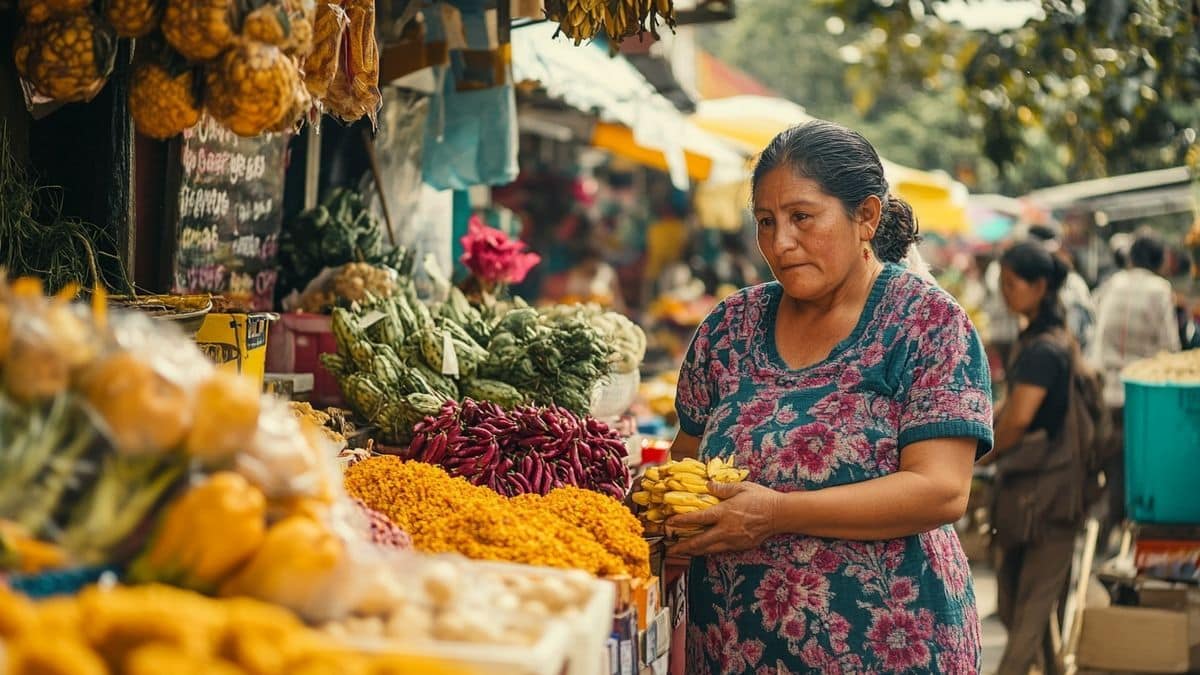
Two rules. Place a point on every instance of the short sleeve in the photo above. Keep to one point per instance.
(1041, 364)
(696, 395)
(949, 386)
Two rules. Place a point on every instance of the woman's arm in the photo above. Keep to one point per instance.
(1015, 417)
(685, 446)
(930, 489)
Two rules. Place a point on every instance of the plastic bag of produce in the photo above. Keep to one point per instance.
(354, 91)
(289, 457)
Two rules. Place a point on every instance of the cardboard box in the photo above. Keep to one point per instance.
(237, 342)
(656, 639)
(646, 600)
(1179, 599)
(1134, 639)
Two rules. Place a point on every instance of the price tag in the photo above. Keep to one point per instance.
(371, 318)
(449, 357)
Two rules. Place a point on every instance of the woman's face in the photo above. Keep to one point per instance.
(1022, 297)
(806, 236)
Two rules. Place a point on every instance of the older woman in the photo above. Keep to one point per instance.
(858, 396)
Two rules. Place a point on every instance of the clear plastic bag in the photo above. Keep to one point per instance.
(321, 65)
(354, 92)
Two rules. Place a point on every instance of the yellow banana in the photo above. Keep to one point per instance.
(714, 465)
(652, 485)
(743, 474)
(641, 497)
(652, 473)
(728, 476)
(680, 510)
(655, 515)
(688, 499)
(657, 497)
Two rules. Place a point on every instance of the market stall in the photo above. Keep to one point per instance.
(464, 509)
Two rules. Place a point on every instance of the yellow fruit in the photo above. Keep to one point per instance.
(143, 411)
(163, 105)
(300, 44)
(23, 46)
(37, 11)
(301, 104)
(642, 498)
(72, 57)
(251, 87)
(652, 473)
(132, 18)
(680, 510)
(199, 29)
(655, 515)
(268, 24)
(689, 499)
(227, 409)
(329, 27)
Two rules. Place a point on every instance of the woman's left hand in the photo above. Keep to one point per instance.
(743, 520)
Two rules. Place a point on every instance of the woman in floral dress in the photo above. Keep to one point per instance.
(858, 395)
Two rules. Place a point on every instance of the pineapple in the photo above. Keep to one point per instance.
(23, 46)
(132, 18)
(39, 11)
(251, 87)
(199, 29)
(301, 104)
(72, 58)
(162, 104)
(268, 24)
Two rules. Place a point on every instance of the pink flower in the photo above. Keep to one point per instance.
(787, 415)
(794, 629)
(757, 412)
(903, 591)
(947, 561)
(493, 257)
(815, 444)
(901, 639)
(786, 595)
(851, 377)
(956, 654)
(825, 561)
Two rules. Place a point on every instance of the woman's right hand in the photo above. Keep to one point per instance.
(744, 519)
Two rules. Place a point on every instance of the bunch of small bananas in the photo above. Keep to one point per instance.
(582, 20)
(682, 487)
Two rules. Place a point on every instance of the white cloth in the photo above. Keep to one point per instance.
(1135, 320)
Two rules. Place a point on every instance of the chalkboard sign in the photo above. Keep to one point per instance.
(229, 210)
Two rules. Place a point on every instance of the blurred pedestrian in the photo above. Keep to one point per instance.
(1136, 320)
(1038, 496)
(733, 266)
(1075, 295)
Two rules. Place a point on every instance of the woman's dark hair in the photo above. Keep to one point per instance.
(846, 166)
(1032, 262)
(1147, 253)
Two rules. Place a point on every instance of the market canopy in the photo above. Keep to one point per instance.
(588, 79)
(751, 122)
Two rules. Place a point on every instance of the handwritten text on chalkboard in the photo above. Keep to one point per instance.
(230, 198)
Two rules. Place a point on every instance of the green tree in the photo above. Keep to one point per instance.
(1091, 89)
(808, 54)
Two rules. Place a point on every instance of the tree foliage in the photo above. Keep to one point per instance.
(1100, 87)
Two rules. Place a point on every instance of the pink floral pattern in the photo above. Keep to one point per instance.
(912, 370)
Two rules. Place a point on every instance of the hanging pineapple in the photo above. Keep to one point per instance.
(269, 24)
(301, 104)
(38, 11)
(132, 18)
(300, 44)
(72, 58)
(23, 46)
(199, 29)
(163, 103)
(251, 87)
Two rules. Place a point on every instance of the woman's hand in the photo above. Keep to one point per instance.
(743, 520)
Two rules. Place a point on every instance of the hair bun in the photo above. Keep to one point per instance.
(898, 230)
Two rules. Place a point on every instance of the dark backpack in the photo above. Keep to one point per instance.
(1046, 482)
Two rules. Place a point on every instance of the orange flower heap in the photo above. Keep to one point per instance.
(569, 528)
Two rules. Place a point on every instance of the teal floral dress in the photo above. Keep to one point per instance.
(912, 370)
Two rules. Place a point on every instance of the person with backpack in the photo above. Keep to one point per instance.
(1046, 432)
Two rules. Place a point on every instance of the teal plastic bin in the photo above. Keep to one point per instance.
(1162, 452)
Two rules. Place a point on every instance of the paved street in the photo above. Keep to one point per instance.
(993, 633)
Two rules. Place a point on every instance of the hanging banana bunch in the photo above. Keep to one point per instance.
(582, 20)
